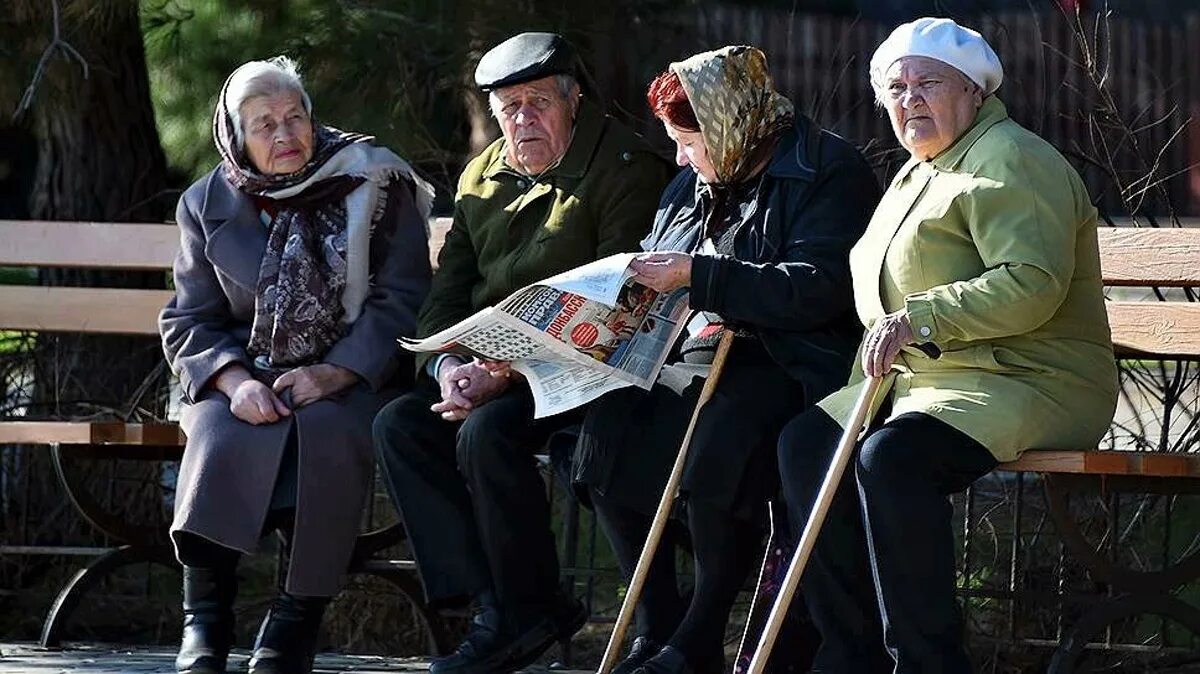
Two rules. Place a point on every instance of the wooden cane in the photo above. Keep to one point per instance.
(662, 514)
(808, 539)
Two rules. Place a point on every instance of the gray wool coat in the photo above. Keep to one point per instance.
(229, 466)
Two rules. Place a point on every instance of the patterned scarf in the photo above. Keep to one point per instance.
(318, 264)
(739, 111)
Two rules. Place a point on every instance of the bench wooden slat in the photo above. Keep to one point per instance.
(1164, 257)
(109, 245)
(1102, 462)
(93, 310)
(94, 245)
(90, 433)
(1155, 329)
(437, 236)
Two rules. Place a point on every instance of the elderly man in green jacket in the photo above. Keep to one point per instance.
(566, 185)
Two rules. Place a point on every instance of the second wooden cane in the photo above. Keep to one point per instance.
(808, 539)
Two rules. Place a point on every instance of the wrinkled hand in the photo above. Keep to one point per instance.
(501, 368)
(254, 403)
(663, 272)
(884, 342)
(465, 386)
(314, 382)
(497, 368)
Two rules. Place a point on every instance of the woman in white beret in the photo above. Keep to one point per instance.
(983, 254)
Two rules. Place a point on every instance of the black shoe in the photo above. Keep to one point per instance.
(643, 649)
(208, 596)
(670, 660)
(507, 641)
(564, 618)
(481, 648)
(287, 639)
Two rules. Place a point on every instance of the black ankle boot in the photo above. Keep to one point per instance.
(643, 649)
(208, 596)
(288, 636)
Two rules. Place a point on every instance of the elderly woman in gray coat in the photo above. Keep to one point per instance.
(303, 258)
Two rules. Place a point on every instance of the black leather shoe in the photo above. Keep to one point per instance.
(565, 617)
(208, 596)
(643, 649)
(670, 660)
(288, 636)
(507, 641)
(481, 648)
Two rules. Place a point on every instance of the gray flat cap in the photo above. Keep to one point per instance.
(525, 57)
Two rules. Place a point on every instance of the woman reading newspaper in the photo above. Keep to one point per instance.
(759, 225)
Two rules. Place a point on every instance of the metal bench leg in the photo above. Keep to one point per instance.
(570, 561)
(437, 640)
(87, 577)
(1092, 624)
(1138, 592)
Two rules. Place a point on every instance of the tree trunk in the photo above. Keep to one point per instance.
(99, 159)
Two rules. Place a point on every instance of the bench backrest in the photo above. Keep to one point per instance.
(1152, 258)
(100, 246)
(1130, 257)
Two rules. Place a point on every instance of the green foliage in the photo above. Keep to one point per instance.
(398, 69)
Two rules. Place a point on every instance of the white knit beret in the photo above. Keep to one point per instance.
(942, 40)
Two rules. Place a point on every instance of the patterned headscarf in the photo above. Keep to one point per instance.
(321, 253)
(737, 106)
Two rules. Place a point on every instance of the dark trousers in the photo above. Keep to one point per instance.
(883, 568)
(471, 496)
(724, 550)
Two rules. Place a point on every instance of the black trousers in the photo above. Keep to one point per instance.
(883, 568)
(471, 496)
(724, 550)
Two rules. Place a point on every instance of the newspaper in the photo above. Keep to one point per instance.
(574, 336)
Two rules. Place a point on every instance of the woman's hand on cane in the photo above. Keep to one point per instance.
(883, 343)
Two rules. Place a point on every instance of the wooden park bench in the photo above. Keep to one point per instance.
(1141, 330)
(126, 311)
(1148, 258)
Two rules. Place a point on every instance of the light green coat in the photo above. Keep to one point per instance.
(991, 249)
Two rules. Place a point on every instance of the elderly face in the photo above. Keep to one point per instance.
(536, 121)
(278, 132)
(930, 104)
(690, 150)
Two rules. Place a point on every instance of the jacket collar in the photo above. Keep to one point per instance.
(223, 202)
(237, 238)
(991, 113)
(589, 126)
(792, 157)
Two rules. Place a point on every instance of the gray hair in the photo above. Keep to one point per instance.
(261, 78)
(564, 82)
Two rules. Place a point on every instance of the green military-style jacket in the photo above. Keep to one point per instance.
(990, 248)
(510, 230)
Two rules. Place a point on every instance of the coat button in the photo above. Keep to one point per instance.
(626, 157)
(522, 183)
(925, 331)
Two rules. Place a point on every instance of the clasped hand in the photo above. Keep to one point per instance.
(255, 403)
(465, 386)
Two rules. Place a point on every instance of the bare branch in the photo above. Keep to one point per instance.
(57, 44)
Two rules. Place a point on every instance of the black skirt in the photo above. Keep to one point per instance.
(630, 438)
